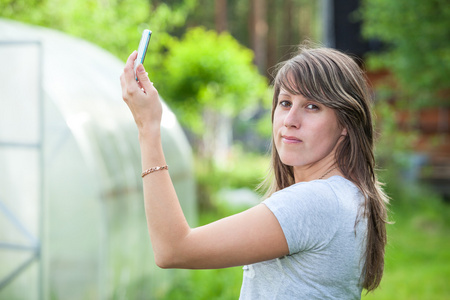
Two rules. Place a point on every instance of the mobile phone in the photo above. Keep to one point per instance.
(142, 50)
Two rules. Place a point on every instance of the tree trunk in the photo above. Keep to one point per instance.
(221, 15)
(287, 25)
(272, 38)
(258, 32)
(306, 20)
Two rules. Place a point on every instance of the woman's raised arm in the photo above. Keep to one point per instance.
(251, 236)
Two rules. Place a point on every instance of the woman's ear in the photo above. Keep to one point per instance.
(344, 131)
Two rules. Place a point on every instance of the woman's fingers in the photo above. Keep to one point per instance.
(127, 79)
(142, 76)
(128, 70)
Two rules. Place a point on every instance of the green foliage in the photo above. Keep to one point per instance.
(205, 70)
(393, 146)
(243, 170)
(418, 46)
(115, 25)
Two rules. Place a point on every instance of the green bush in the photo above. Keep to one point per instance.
(208, 71)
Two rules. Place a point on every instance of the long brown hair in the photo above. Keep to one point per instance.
(335, 80)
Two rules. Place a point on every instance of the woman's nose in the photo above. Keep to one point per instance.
(292, 119)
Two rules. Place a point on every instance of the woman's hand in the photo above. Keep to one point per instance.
(141, 96)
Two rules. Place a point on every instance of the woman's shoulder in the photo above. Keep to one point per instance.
(303, 192)
(320, 186)
(342, 187)
(339, 183)
(330, 192)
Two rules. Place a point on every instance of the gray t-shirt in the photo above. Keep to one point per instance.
(325, 258)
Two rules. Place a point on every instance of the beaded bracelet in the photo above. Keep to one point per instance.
(154, 169)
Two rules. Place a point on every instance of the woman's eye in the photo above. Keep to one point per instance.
(312, 106)
(285, 103)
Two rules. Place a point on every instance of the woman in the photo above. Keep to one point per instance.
(320, 234)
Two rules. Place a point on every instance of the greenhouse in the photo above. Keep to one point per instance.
(72, 224)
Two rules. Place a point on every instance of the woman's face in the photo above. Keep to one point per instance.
(305, 132)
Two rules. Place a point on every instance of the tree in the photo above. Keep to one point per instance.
(416, 34)
(115, 25)
(272, 29)
(208, 79)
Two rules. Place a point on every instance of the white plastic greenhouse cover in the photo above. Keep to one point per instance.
(72, 224)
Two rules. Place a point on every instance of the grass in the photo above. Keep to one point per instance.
(417, 257)
(208, 284)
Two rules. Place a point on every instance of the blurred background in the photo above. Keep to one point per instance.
(71, 212)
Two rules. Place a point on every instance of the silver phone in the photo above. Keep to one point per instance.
(142, 50)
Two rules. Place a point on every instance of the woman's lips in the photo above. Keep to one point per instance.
(290, 139)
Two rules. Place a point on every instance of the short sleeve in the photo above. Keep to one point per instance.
(308, 214)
